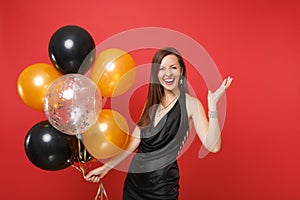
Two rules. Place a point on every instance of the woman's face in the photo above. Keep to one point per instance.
(169, 72)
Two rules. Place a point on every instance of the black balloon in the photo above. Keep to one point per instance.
(72, 50)
(48, 148)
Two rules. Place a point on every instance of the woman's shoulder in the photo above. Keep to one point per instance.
(192, 101)
(192, 104)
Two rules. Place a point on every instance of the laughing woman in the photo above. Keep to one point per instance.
(168, 115)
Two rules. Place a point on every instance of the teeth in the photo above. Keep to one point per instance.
(169, 80)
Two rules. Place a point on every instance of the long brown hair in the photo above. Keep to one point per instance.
(155, 90)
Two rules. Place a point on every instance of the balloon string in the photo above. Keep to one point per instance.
(79, 148)
(76, 167)
(84, 152)
(101, 193)
(80, 160)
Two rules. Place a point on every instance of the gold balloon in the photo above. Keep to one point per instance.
(108, 136)
(33, 83)
(113, 71)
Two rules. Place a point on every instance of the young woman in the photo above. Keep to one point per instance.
(162, 130)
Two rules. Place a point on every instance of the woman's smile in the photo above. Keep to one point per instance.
(169, 81)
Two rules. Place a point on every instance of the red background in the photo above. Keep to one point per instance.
(257, 42)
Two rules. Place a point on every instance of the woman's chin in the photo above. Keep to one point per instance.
(169, 87)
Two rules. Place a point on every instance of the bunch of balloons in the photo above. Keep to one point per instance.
(73, 101)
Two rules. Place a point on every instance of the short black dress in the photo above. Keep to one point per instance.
(153, 173)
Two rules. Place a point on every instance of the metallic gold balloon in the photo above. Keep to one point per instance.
(113, 71)
(108, 136)
(33, 83)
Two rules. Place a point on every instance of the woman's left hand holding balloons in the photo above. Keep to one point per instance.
(33, 83)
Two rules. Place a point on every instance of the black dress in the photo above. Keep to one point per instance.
(153, 173)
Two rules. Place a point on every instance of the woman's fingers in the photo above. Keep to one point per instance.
(89, 175)
(93, 178)
(224, 82)
(228, 82)
(225, 85)
(213, 97)
(96, 179)
(95, 175)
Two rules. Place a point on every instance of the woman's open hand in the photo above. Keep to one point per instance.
(213, 97)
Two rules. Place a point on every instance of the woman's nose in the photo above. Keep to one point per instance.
(168, 72)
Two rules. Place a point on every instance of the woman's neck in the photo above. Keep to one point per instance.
(169, 96)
